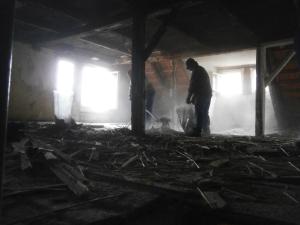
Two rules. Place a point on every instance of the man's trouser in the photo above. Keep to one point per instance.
(202, 118)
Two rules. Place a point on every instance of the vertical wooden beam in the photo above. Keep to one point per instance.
(6, 39)
(138, 73)
(297, 6)
(174, 92)
(260, 92)
(297, 35)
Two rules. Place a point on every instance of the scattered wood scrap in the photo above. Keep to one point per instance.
(229, 170)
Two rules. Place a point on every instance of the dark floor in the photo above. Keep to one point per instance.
(88, 175)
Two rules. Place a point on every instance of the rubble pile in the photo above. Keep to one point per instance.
(84, 165)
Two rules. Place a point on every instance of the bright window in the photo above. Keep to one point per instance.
(229, 83)
(63, 94)
(65, 77)
(99, 89)
(253, 80)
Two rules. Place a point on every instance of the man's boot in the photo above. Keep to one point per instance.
(195, 133)
(206, 131)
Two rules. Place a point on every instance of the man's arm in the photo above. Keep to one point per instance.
(191, 90)
(189, 99)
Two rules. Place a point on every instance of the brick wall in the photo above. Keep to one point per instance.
(285, 89)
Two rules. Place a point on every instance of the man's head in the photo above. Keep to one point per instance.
(191, 64)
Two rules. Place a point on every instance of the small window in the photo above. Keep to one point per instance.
(229, 83)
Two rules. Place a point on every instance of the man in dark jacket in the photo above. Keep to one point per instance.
(199, 94)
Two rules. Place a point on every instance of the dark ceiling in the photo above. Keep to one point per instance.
(103, 28)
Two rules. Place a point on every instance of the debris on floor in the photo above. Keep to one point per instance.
(83, 175)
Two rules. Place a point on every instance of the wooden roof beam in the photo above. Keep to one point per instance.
(159, 33)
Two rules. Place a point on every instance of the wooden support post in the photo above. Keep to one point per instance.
(260, 92)
(138, 73)
(6, 39)
(297, 6)
(173, 92)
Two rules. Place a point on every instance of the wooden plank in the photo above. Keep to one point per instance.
(142, 185)
(106, 45)
(220, 68)
(86, 30)
(278, 43)
(69, 175)
(64, 168)
(159, 33)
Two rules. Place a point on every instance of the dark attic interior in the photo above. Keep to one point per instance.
(170, 112)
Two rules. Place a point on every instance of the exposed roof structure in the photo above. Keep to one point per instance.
(195, 27)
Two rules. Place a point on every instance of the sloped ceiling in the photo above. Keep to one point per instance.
(200, 27)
